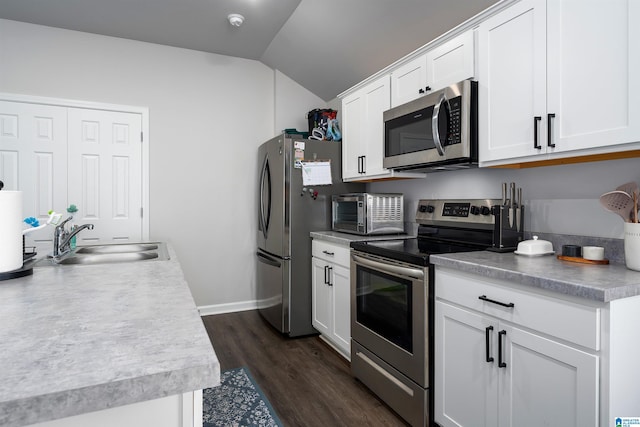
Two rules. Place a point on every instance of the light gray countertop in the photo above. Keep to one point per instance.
(601, 283)
(345, 239)
(77, 339)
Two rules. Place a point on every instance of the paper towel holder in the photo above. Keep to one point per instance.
(19, 272)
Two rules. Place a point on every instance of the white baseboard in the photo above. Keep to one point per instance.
(232, 307)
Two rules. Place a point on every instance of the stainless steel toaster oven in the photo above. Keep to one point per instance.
(368, 213)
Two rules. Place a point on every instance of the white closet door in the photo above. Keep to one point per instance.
(33, 158)
(105, 174)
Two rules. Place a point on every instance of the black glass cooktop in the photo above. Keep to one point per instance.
(413, 251)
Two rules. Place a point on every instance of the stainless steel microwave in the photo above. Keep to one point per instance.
(368, 213)
(438, 131)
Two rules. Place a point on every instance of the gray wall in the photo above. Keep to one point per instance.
(559, 199)
(208, 114)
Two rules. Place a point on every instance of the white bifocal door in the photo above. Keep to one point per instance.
(33, 158)
(105, 174)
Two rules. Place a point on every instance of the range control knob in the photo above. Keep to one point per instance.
(485, 210)
(430, 209)
(422, 208)
(474, 210)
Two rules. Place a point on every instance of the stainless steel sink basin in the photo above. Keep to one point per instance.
(114, 253)
(117, 248)
(102, 258)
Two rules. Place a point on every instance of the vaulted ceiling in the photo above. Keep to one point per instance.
(326, 46)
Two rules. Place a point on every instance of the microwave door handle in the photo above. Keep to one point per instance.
(434, 124)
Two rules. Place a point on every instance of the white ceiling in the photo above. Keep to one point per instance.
(326, 46)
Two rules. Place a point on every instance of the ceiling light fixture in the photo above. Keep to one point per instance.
(235, 19)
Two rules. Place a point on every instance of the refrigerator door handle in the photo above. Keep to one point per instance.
(264, 215)
(267, 259)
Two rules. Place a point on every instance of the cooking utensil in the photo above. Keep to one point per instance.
(504, 193)
(513, 202)
(519, 209)
(629, 188)
(618, 202)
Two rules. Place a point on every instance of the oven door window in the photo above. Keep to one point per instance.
(383, 305)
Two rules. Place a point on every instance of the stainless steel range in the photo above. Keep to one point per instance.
(392, 301)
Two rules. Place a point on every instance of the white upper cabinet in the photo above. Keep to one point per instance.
(363, 133)
(558, 76)
(439, 67)
(363, 130)
(409, 81)
(593, 64)
(511, 81)
(451, 62)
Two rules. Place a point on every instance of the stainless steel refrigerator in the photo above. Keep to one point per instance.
(287, 212)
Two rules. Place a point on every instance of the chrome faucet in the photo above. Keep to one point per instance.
(62, 237)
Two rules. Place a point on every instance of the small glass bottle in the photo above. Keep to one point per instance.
(71, 210)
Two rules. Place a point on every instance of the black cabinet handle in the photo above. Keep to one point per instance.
(328, 253)
(487, 337)
(326, 274)
(427, 88)
(420, 90)
(536, 143)
(484, 298)
(361, 164)
(364, 164)
(501, 363)
(549, 133)
(329, 282)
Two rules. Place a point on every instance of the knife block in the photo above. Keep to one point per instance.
(505, 236)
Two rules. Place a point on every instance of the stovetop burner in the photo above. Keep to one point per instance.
(413, 251)
(446, 226)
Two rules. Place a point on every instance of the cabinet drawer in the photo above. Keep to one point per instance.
(567, 320)
(331, 252)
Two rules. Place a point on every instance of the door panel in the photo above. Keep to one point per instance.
(33, 158)
(322, 297)
(580, 56)
(465, 380)
(270, 283)
(271, 229)
(546, 382)
(105, 174)
(511, 76)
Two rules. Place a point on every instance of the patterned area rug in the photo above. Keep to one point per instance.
(237, 402)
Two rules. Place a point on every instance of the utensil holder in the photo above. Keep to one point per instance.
(506, 236)
(632, 245)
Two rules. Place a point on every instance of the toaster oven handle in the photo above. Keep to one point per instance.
(389, 268)
(434, 124)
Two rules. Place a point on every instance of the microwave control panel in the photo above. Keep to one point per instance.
(453, 134)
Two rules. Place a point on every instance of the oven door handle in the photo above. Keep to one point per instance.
(389, 268)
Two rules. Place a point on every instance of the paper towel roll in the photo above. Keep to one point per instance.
(10, 230)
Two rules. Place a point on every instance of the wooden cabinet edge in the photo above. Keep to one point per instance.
(568, 160)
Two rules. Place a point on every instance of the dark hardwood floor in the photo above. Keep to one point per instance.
(305, 380)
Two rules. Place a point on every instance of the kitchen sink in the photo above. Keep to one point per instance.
(117, 248)
(113, 253)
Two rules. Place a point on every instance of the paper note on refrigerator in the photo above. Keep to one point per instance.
(316, 173)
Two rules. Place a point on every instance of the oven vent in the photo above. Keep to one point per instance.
(387, 208)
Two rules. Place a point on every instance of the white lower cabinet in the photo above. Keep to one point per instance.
(497, 365)
(331, 303)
